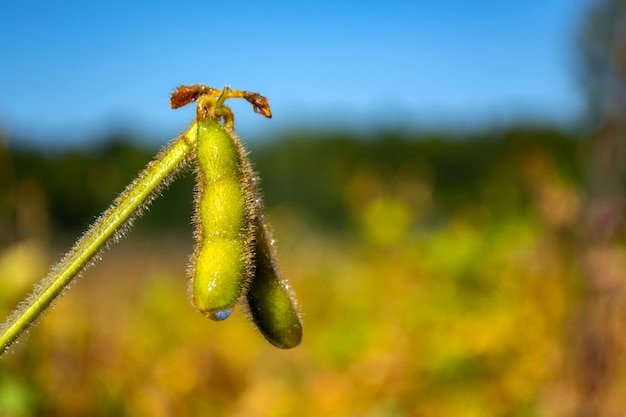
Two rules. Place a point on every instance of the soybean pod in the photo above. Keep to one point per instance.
(271, 301)
(234, 252)
(222, 263)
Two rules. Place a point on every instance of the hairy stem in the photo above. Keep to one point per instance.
(109, 227)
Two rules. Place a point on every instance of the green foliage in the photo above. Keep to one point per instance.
(79, 185)
(311, 173)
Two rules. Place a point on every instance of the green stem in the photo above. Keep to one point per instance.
(108, 228)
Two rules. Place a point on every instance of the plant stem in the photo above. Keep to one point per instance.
(108, 228)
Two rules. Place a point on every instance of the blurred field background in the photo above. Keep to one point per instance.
(462, 272)
(421, 294)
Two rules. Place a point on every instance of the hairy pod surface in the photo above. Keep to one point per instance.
(224, 218)
(270, 299)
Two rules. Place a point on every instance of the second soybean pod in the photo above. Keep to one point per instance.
(271, 301)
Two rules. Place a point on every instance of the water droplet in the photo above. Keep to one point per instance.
(220, 315)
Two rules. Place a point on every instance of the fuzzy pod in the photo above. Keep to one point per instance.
(224, 214)
(271, 302)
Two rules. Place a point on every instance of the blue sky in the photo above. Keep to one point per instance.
(71, 70)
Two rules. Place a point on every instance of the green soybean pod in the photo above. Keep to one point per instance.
(271, 301)
(224, 210)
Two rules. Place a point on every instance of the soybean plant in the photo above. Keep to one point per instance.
(234, 256)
